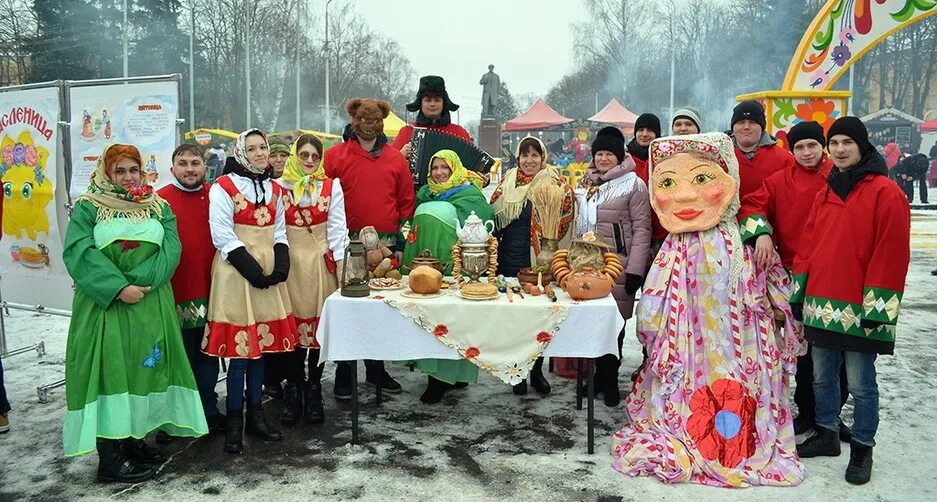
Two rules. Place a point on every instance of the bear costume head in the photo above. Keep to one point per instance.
(367, 116)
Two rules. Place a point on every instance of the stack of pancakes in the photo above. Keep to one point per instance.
(479, 290)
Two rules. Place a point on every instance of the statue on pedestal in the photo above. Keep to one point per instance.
(490, 83)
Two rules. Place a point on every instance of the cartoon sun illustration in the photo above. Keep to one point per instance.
(26, 189)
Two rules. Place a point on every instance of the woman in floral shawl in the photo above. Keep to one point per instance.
(126, 370)
(520, 221)
(452, 194)
(711, 404)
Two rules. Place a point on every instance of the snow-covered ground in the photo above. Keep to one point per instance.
(480, 443)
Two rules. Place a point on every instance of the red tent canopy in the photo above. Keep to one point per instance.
(539, 116)
(616, 114)
(929, 126)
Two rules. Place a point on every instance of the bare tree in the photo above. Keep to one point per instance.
(17, 24)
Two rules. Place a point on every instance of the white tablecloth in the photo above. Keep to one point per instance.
(367, 328)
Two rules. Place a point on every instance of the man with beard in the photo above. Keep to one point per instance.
(187, 195)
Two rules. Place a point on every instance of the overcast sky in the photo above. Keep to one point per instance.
(529, 42)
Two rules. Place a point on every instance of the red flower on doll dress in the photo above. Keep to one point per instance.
(544, 337)
(440, 330)
(722, 422)
(472, 352)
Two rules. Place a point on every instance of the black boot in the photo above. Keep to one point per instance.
(342, 390)
(312, 403)
(845, 433)
(292, 404)
(256, 424)
(825, 443)
(216, 423)
(537, 381)
(609, 380)
(373, 369)
(520, 389)
(597, 387)
(435, 390)
(233, 431)
(860, 464)
(803, 423)
(140, 453)
(114, 467)
(274, 390)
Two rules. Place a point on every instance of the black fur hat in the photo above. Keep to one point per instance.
(432, 85)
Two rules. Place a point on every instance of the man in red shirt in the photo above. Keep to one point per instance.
(777, 213)
(849, 277)
(187, 196)
(757, 151)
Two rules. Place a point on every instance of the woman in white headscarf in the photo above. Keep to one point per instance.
(249, 311)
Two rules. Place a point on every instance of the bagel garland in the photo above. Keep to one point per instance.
(561, 269)
(491, 248)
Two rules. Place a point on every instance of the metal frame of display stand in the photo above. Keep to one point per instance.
(43, 390)
(5, 351)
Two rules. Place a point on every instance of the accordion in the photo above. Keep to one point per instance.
(426, 142)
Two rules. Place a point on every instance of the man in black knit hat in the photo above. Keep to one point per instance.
(758, 152)
(776, 214)
(849, 278)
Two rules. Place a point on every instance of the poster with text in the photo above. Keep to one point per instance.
(140, 114)
(31, 244)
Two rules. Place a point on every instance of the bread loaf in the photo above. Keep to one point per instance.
(425, 280)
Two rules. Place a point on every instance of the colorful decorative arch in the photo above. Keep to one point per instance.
(842, 32)
(784, 109)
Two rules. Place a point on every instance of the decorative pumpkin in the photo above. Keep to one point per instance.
(588, 285)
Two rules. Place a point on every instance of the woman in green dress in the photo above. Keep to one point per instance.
(453, 192)
(126, 371)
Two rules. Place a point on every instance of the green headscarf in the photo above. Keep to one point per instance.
(460, 175)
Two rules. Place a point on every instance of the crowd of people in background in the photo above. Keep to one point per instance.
(170, 282)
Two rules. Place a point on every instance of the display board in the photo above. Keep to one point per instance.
(142, 114)
(31, 244)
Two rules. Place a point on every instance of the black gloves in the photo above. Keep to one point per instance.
(869, 324)
(798, 310)
(281, 264)
(633, 283)
(248, 267)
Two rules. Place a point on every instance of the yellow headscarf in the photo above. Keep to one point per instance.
(294, 174)
(460, 175)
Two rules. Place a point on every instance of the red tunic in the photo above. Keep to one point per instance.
(781, 206)
(378, 190)
(192, 279)
(406, 132)
(767, 161)
(852, 264)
